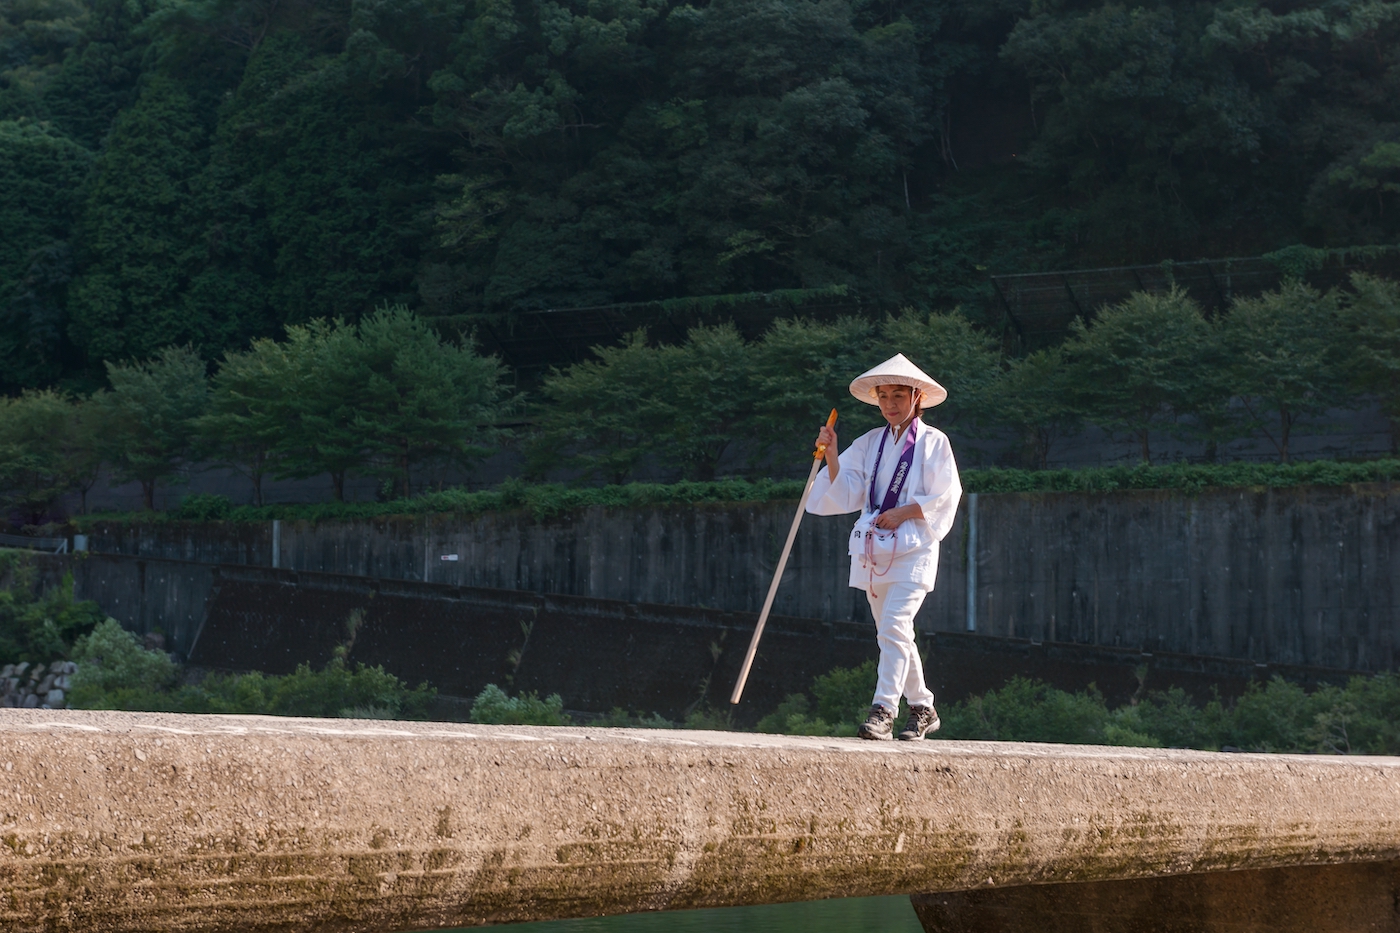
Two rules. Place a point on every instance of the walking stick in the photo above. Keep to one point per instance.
(782, 563)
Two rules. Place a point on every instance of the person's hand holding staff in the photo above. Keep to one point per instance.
(827, 435)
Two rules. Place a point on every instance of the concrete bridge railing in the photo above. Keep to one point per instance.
(142, 822)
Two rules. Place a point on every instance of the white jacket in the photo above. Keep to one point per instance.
(934, 485)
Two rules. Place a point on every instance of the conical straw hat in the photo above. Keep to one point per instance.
(897, 371)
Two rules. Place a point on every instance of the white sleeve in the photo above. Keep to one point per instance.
(847, 494)
(942, 490)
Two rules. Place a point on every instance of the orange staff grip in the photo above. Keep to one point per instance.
(821, 448)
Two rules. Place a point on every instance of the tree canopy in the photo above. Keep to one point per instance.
(210, 171)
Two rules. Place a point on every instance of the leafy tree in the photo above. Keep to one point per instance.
(1035, 397)
(73, 64)
(41, 177)
(709, 380)
(603, 416)
(964, 360)
(686, 405)
(1358, 196)
(1371, 312)
(803, 369)
(1285, 358)
(423, 398)
(318, 402)
(135, 243)
(1137, 367)
(249, 404)
(39, 456)
(35, 38)
(321, 211)
(150, 416)
(382, 397)
(221, 169)
(1173, 129)
(82, 449)
(646, 150)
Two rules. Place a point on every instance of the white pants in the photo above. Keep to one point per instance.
(894, 606)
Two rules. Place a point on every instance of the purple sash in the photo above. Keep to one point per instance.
(901, 469)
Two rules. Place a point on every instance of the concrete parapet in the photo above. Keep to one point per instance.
(129, 821)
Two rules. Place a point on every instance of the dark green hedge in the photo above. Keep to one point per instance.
(1185, 476)
(550, 499)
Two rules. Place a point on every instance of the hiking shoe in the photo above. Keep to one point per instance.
(922, 720)
(878, 725)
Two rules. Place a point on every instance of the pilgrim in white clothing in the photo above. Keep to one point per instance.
(894, 551)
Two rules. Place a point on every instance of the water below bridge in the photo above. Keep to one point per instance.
(842, 915)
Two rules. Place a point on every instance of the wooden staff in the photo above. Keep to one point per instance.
(782, 563)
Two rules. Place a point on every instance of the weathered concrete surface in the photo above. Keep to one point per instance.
(1362, 896)
(122, 821)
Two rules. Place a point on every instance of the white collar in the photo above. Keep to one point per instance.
(900, 436)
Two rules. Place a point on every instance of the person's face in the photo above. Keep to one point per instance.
(896, 403)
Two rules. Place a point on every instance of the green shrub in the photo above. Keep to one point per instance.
(619, 718)
(844, 694)
(116, 672)
(791, 718)
(336, 690)
(494, 705)
(368, 712)
(1277, 716)
(1365, 717)
(1174, 720)
(842, 703)
(1027, 711)
(1189, 477)
(204, 507)
(40, 628)
(715, 720)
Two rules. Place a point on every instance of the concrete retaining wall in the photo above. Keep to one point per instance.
(597, 653)
(1303, 576)
(146, 822)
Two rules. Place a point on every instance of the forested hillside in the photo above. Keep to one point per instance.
(176, 171)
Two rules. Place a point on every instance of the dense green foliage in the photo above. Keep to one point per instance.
(1152, 364)
(842, 702)
(545, 500)
(691, 406)
(47, 448)
(381, 398)
(386, 398)
(1277, 716)
(494, 705)
(148, 417)
(39, 627)
(116, 672)
(209, 171)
